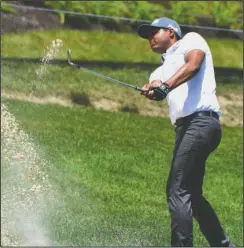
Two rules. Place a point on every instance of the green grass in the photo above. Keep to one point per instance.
(108, 46)
(64, 81)
(101, 46)
(111, 170)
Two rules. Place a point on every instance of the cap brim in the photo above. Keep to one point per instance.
(145, 29)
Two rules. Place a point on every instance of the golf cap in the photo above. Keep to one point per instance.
(164, 22)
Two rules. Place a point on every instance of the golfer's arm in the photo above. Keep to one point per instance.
(193, 63)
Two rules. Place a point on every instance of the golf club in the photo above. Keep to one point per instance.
(100, 75)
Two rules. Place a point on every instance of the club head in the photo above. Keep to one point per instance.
(68, 54)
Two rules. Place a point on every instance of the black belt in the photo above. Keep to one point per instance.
(187, 118)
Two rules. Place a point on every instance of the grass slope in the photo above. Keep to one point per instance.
(72, 85)
(66, 82)
(111, 169)
(108, 46)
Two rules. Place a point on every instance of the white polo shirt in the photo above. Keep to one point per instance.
(199, 92)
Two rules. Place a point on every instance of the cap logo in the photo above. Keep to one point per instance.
(155, 22)
(170, 26)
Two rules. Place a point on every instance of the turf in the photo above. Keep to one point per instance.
(112, 169)
(108, 46)
(72, 84)
(103, 46)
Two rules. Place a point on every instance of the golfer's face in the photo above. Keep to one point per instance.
(159, 40)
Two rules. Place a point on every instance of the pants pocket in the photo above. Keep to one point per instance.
(211, 137)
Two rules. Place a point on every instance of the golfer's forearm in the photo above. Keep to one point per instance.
(186, 72)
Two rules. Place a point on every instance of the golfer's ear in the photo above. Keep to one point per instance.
(172, 33)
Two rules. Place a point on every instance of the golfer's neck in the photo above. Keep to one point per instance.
(171, 43)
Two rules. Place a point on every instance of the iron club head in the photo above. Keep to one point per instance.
(69, 59)
(69, 54)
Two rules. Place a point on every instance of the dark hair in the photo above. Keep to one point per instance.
(176, 35)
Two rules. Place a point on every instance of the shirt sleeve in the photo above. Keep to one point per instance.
(193, 41)
(156, 75)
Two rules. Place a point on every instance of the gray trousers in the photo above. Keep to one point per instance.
(195, 140)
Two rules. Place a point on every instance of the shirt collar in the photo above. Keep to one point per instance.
(170, 50)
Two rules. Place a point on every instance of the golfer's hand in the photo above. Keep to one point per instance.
(155, 83)
(147, 93)
(150, 93)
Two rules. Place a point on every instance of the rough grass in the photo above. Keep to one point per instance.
(70, 85)
(108, 46)
(111, 170)
(67, 83)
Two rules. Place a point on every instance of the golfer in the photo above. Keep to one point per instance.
(186, 79)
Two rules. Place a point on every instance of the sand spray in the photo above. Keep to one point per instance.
(27, 194)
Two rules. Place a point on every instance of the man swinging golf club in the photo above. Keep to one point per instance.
(186, 79)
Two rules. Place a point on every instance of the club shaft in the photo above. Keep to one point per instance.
(105, 77)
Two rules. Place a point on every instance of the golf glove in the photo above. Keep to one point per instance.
(161, 91)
